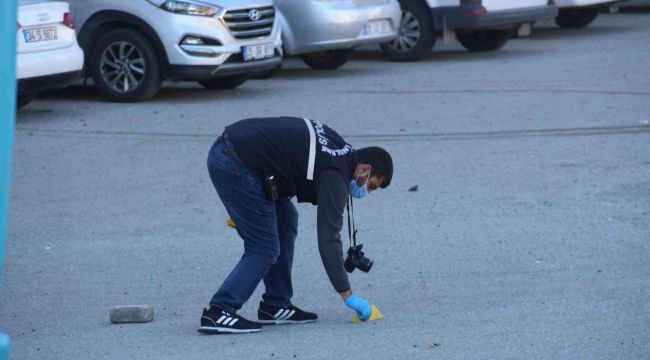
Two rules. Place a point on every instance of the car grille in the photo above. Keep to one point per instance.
(250, 23)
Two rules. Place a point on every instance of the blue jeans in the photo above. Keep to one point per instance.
(268, 228)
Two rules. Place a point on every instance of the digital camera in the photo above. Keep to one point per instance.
(357, 260)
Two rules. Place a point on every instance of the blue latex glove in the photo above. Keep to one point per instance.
(360, 305)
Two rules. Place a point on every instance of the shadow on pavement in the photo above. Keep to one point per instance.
(635, 9)
(290, 73)
(73, 92)
(33, 113)
(451, 56)
(168, 92)
(181, 92)
(555, 33)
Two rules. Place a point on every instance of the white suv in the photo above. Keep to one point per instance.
(47, 53)
(131, 46)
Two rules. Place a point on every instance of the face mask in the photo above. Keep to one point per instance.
(359, 192)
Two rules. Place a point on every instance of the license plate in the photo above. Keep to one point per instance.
(40, 34)
(376, 27)
(255, 52)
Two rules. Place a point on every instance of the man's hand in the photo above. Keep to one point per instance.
(360, 305)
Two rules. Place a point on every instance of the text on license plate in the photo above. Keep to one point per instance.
(261, 51)
(40, 34)
(376, 27)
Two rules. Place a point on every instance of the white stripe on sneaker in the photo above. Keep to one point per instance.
(277, 314)
(222, 318)
(290, 314)
(284, 313)
(233, 322)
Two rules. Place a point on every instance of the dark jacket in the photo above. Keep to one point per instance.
(310, 161)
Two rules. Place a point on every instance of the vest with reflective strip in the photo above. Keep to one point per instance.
(294, 150)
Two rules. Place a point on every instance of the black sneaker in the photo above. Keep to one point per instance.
(217, 321)
(269, 315)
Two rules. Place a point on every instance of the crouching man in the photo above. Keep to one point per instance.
(256, 166)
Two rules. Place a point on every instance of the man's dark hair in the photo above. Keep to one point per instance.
(380, 160)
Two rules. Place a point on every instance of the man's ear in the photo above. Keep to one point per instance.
(363, 170)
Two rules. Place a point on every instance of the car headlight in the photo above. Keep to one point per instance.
(186, 7)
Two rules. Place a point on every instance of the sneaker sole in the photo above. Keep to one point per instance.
(223, 330)
(280, 322)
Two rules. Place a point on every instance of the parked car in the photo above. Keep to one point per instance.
(132, 46)
(576, 14)
(324, 32)
(479, 25)
(47, 53)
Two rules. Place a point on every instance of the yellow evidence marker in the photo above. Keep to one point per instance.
(230, 223)
(374, 315)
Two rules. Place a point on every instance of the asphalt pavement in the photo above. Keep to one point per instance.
(527, 237)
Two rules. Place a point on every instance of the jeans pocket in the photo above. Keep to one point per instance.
(252, 191)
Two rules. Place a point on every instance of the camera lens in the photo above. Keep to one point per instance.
(365, 264)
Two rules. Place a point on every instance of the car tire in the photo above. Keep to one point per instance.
(125, 66)
(224, 82)
(576, 18)
(485, 39)
(416, 35)
(25, 98)
(327, 60)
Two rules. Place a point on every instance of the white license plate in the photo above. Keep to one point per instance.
(40, 34)
(376, 27)
(255, 52)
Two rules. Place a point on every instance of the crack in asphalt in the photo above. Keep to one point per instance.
(442, 136)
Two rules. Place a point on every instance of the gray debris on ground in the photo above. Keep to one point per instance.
(132, 314)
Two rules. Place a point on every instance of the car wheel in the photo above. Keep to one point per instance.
(484, 40)
(327, 60)
(23, 99)
(224, 82)
(125, 67)
(416, 35)
(576, 18)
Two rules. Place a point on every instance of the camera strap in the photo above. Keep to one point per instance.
(352, 229)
